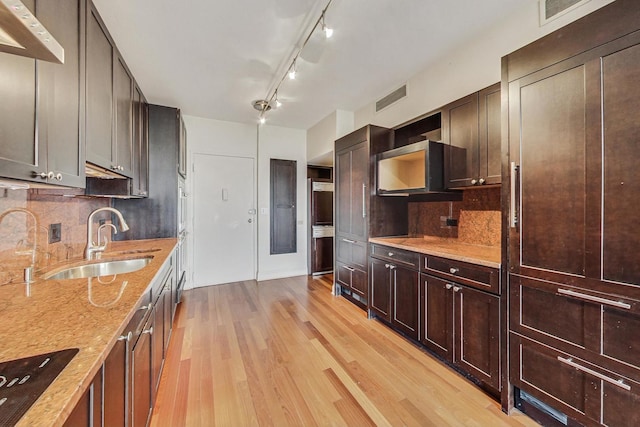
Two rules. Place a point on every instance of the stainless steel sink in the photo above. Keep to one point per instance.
(103, 268)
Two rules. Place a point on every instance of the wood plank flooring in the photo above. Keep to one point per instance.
(288, 353)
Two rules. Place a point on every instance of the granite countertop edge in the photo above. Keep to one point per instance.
(487, 256)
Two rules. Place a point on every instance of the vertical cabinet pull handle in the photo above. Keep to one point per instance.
(513, 210)
(448, 286)
(457, 289)
(364, 200)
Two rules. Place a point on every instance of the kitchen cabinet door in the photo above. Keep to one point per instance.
(490, 136)
(116, 379)
(322, 254)
(99, 95)
(140, 178)
(51, 150)
(352, 186)
(477, 334)
(88, 411)
(460, 131)
(157, 344)
(123, 102)
(437, 316)
(142, 376)
(406, 300)
(380, 289)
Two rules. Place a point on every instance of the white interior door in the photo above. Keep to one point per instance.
(224, 219)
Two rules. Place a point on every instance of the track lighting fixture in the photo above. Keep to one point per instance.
(264, 105)
(328, 32)
(292, 71)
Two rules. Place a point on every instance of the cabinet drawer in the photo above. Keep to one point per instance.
(597, 327)
(352, 278)
(580, 389)
(351, 251)
(407, 258)
(477, 276)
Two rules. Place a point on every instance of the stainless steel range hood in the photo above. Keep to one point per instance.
(22, 34)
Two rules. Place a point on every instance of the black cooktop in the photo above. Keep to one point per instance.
(22, 381)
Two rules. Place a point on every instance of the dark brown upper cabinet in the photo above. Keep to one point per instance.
(109, 116)
(140, 179)
(283, 206)
(471, 126)
(42, 108)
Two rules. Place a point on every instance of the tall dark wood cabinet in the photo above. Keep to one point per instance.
(359, 213)
(46, 99)
(573, 271)
(471, 126)
(157, 215)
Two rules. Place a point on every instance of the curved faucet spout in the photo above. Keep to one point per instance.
(97, 248)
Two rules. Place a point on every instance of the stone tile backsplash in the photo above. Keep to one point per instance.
(17, 229)
(478, 216)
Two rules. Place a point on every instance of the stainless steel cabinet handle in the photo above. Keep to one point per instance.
(481, 181)
(386, 266)
(148, 331)
(594, 298)
(364, 200)
(42, 175)
(392, 267)
(348, 240)
(454, 270)
(448, 286)
(457, 289)
(59, 176)
(349, 268)
(474, 181)
(618, 383)
(390, 254)
(126, 337)
(513, 212)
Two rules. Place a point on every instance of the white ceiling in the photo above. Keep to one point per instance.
(212, 58)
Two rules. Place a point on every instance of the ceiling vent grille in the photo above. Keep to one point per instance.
(394, 96)
(551, 9)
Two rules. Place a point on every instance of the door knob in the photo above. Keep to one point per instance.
(250, 220)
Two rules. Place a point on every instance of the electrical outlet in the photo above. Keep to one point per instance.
(55, 232)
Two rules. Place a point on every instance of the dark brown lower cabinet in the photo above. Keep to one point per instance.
(462, 325)
(578, 388)
(395, 286)
(88, 411)
(141, 376)
(116, 372)
(352, 279)
(322, 254)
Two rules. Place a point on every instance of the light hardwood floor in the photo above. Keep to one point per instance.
(288, 353)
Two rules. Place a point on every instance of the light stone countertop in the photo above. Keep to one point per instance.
(60, 314)
(488, 256)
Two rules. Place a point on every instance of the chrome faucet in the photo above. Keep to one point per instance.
(28, 271)
(92, 247)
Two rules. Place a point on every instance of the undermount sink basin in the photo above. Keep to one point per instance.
(95, 269)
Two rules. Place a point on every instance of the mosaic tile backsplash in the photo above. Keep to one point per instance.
(19, 234)
(478, 216)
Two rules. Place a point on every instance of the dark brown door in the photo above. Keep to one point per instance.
(141, 375)
(406, 301)
(352, 187)
(122, 98)
(283, 206)
(460, 131)
(380, 298)
(437, 313)
(477, 334)
(140, 181)
(99, 96)
(18, 116)
(323, 254)
(61, 94)
(116, 379)
(489, 136)
(157, 345)
(322, 207)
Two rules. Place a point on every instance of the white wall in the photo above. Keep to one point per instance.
(215, 137)
(321, 137)
(469, 68)
(288, 144)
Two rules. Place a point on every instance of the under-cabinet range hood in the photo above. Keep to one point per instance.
(22, 34)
